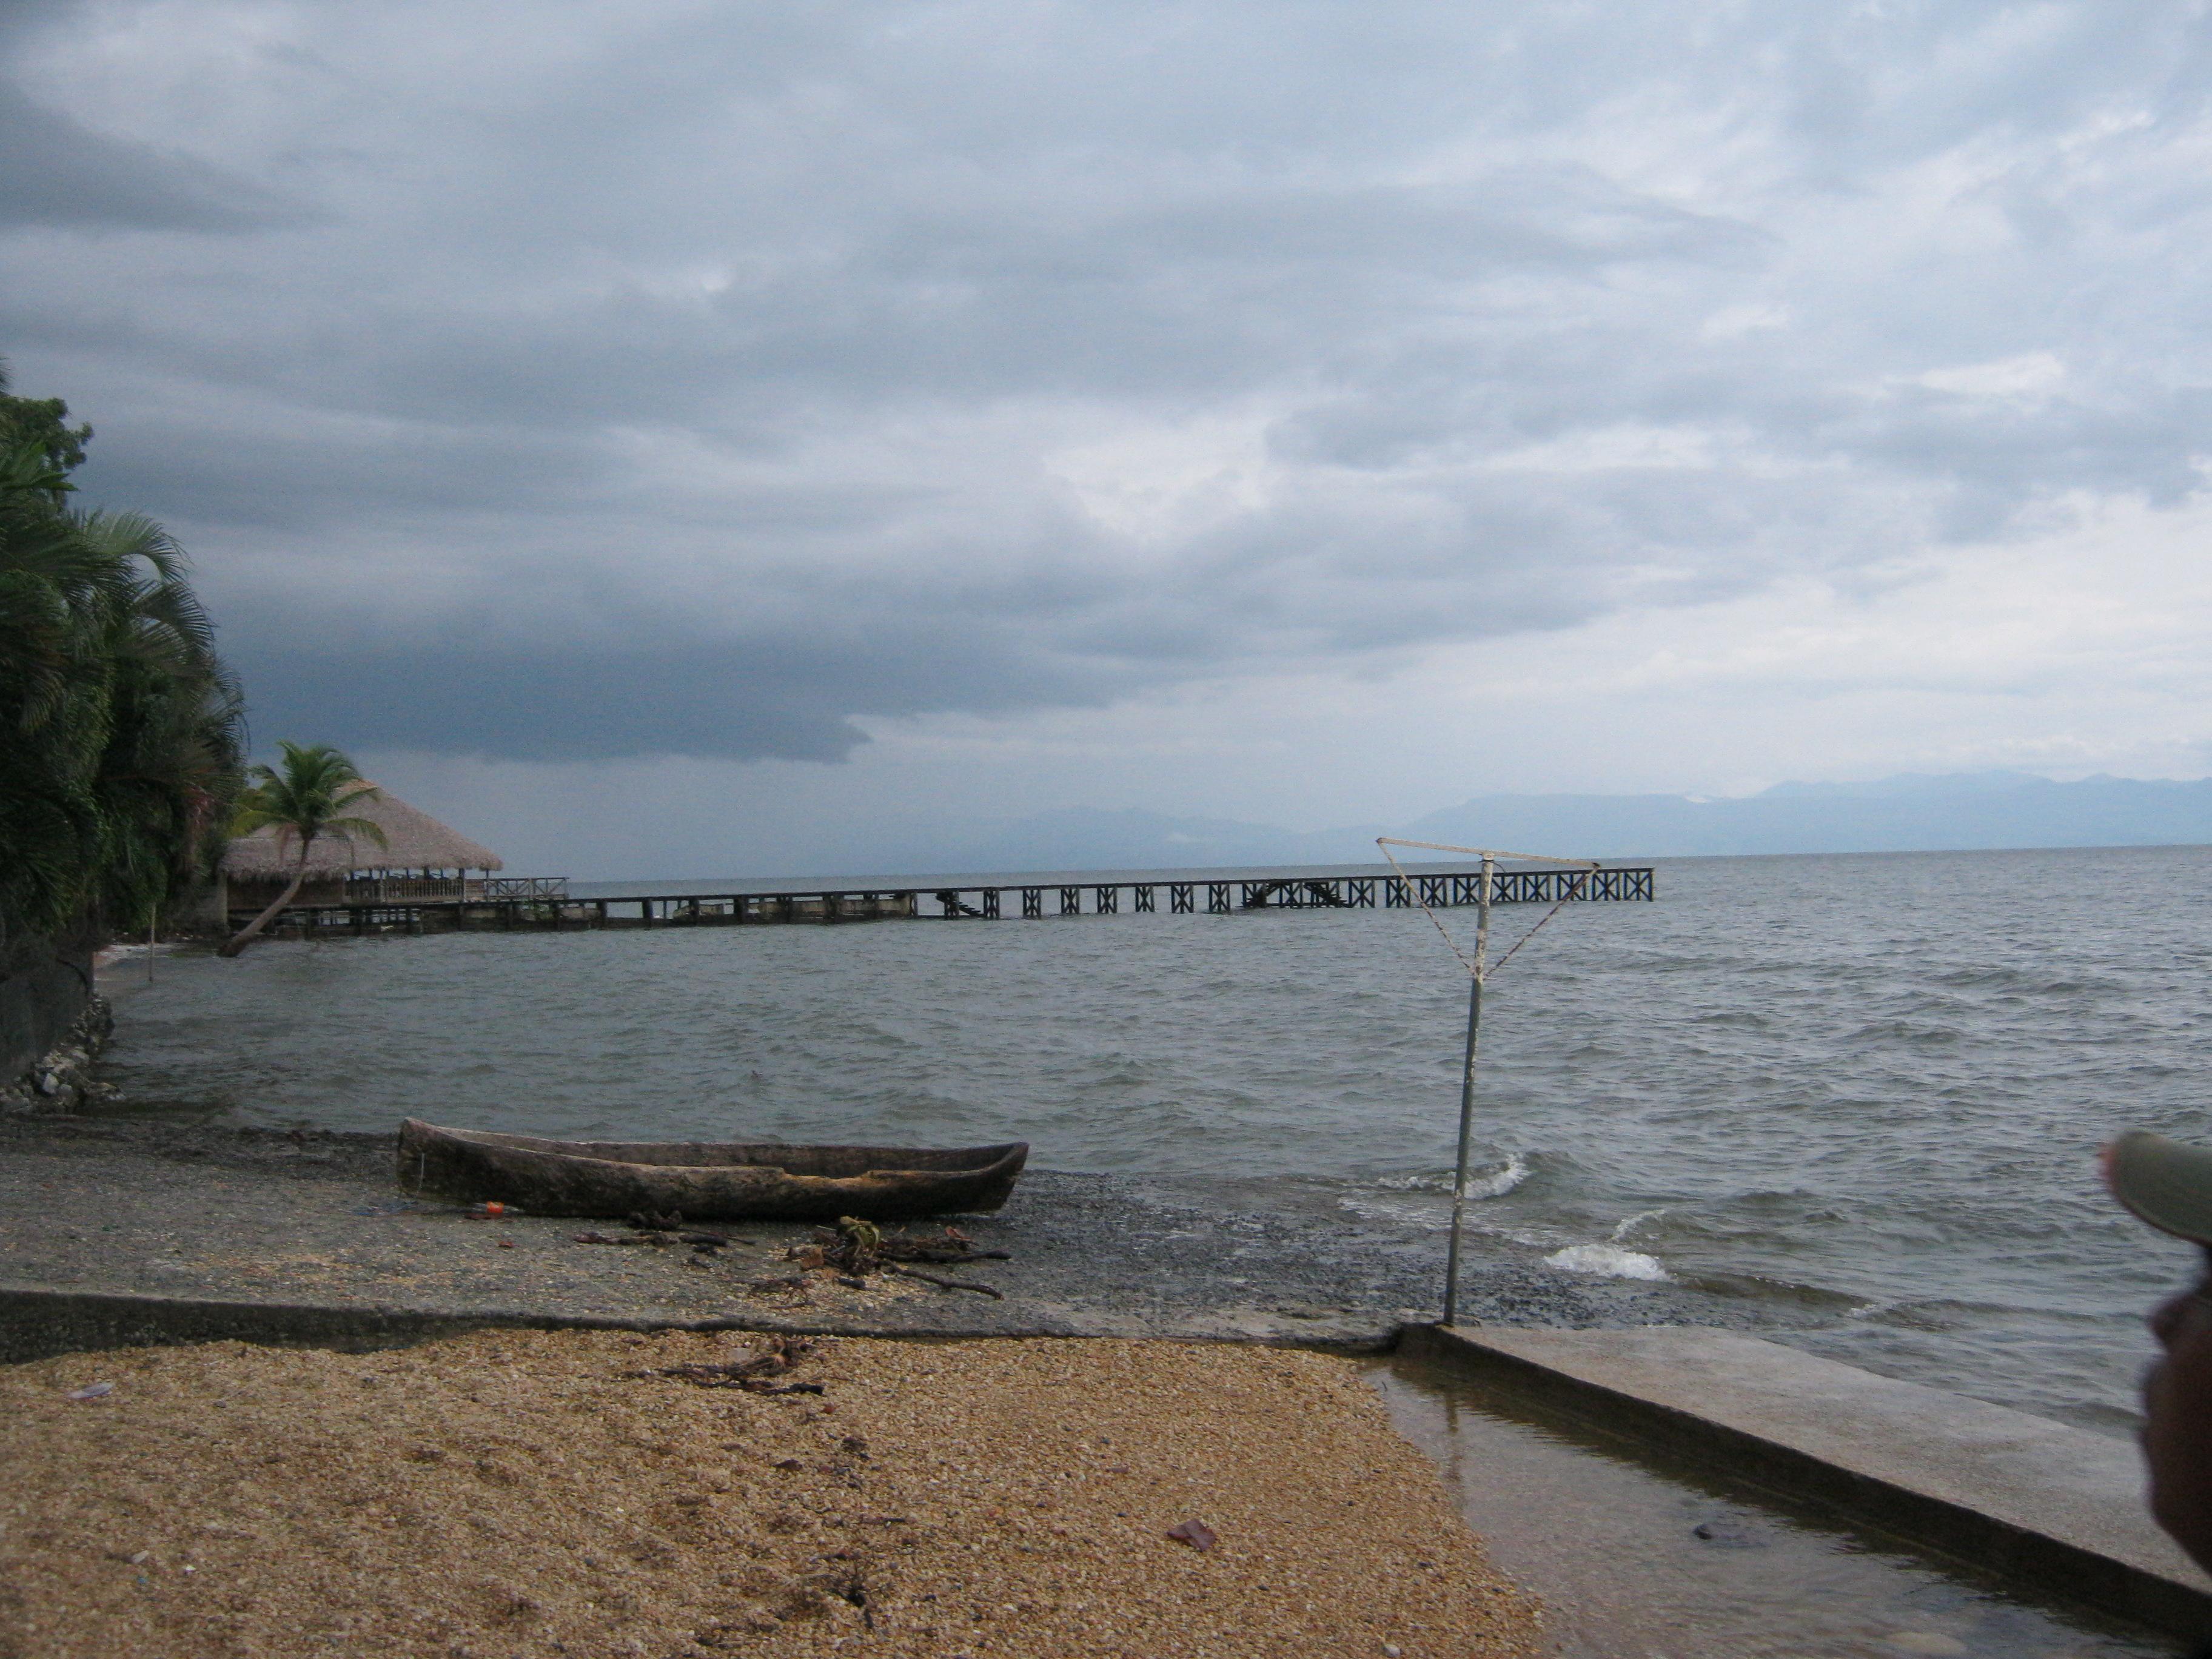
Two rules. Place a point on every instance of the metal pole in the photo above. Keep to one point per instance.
(1467, 1092)
(1465, 1140)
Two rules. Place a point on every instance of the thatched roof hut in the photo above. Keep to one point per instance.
(416, 842)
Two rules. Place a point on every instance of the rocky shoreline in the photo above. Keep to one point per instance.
(62, 1080)
(115, 1229)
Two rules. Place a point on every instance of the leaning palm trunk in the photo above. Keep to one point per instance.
(252, 931)
(302, 801)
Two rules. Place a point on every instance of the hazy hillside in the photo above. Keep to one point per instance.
(1904, 814)
(1901, 814)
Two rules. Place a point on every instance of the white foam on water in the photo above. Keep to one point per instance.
(1426, 1217)
(1606, 1261)
(1498, 1183)
(1635, 1221)
(1523, 1237)
(1495, 1183)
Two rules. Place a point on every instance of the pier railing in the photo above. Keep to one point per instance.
(541, 902)
(377, 889)
(524, 887)
(450, 890)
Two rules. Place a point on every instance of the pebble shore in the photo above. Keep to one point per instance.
(525, 1493)
(114, 1231)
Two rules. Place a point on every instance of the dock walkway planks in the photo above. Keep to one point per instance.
(1191, 894)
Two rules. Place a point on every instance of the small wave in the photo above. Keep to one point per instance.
(1523, 1237)
(1498, 1183)
(1607, 1262)
(1622, 1231)
(1395, 1212)
(110, 954)
(1907, 1032)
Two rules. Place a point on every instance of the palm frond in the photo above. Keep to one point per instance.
(121, 730)
(357, 829)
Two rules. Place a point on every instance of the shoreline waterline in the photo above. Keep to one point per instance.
(1854, 1101)
(184, 1234)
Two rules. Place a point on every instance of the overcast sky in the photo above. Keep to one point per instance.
(662, 433)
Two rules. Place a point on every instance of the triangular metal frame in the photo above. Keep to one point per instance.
(1478, 972)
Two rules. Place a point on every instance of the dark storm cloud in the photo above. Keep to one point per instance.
(703, 380)
(750, 698)
(54, 171)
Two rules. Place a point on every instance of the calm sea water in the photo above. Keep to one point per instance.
(1857, 1098)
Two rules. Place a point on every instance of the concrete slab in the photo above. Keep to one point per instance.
(2018, 1494)
(37, 1321)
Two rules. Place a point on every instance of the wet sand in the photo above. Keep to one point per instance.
(529, 1493)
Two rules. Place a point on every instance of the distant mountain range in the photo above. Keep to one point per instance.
(1898, 814)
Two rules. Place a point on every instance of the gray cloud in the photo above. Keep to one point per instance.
(750, 699)
(704, 382)
(55, 172)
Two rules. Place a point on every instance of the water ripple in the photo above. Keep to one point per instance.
(1873, 1082)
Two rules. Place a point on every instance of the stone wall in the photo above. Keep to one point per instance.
(47, 1012)
(61, 1080)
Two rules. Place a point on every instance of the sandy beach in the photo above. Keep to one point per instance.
(579, 1493)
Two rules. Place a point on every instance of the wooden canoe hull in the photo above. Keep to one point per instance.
(703, 1181)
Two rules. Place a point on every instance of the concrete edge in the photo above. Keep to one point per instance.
(1979, 1540)
(37, 1322)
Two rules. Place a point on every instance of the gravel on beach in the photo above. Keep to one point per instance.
(165, 1232)
(524, 1492)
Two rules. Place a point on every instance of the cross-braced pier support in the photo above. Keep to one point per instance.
(1300, 890)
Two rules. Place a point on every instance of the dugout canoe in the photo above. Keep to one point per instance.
(703, 1180)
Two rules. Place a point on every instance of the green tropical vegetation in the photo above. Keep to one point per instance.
(122, 731)
(302, 801)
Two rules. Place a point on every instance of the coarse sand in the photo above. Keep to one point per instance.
(542, 1492)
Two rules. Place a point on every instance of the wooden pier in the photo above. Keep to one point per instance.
(1192, 893)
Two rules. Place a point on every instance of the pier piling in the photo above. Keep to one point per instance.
(1223, 896)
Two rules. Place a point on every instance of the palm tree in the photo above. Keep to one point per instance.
(170, 766)
(306, 800)
(120, 726)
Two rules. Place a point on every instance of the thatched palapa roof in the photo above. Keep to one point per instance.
(417, 841)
